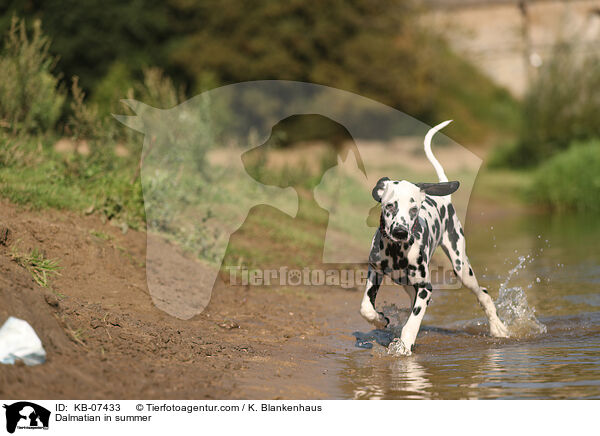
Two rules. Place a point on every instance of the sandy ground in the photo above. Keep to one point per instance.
(106, 339)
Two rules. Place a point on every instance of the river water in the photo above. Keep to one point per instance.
(544, 274)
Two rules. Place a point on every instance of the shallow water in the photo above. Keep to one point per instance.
(544, 274)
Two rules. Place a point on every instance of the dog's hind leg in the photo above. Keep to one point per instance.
(367, 307)
(453, 244)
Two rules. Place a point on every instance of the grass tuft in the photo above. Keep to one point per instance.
(37, 264)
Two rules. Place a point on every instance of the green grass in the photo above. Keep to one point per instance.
(42, 178)
(34, 261)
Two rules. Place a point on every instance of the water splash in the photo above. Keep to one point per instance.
(513, 308)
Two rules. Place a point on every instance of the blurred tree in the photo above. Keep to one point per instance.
(90, 36)
(373, 47)
(368, 46)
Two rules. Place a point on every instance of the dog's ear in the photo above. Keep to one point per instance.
(378, 189)
(439, 189)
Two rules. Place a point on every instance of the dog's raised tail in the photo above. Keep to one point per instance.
(438, 167)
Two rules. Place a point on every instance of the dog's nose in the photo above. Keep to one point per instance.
(400, 233)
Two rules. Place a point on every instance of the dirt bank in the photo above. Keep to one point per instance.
(106, 339)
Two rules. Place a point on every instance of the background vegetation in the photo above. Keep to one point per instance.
(65, 66)
(373, 47)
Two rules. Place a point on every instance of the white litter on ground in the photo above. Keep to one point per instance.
(18, 341)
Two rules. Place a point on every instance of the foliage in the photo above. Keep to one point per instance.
(571, 179)
(376, 48)
(561, 106)
(30, 98)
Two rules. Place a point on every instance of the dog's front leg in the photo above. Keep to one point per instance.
(404, 345)
(367, 307)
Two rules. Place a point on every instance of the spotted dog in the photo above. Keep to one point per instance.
(416, 218)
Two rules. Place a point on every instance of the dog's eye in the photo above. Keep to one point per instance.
(413, 212)
(389, 207)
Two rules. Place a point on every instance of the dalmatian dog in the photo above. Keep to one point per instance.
(416, 218)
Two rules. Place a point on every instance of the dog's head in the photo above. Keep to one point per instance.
(401, 202)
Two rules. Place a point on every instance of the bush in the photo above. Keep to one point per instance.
(570, 180)
(560, 107)
(30, 98)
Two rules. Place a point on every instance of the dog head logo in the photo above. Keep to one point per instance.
(26, 415)
(205, 165)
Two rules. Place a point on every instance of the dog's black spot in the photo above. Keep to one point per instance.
(450, 229)
(423, 294)
(416, 310)
(442, 211)
(429, 301)
(395, 183)
(384, 265)
(394, 251)
(461, 232)
(470, 272)
(422, 270)
(484, 290)
(412, 200)
(372, 293)
(430, 201)
(381, 245)
(412, 267)
(420, 259)
(375, 283)
(403, 263)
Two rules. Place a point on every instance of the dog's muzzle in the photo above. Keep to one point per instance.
(400, 232)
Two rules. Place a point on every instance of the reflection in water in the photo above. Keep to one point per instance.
(406, 376)
(409, 376)
(455, 359)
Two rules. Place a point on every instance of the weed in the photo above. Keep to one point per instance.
(37, 264)
(101, 235)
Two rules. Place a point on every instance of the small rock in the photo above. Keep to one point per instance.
(229, 324)
(51, 299)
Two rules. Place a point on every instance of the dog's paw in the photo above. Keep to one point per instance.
(498, 329)
(382, 321)
(397, 348)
